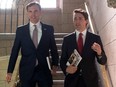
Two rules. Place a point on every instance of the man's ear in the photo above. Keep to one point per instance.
(87, 21)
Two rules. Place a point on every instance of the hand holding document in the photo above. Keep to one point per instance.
(74, 59)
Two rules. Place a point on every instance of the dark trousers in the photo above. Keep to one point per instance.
(74, 81)
(80, 82)
(37, 78)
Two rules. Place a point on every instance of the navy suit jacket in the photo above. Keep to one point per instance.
(87, 65)
(29, 53)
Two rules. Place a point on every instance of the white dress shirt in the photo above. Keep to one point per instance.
(83, 36)
(39, 28)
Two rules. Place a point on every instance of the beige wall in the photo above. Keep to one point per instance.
(6, 42)
(67, 8)
(105, 20)
(60, 18)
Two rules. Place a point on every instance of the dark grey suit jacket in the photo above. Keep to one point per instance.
(87, 65)
(29, 53)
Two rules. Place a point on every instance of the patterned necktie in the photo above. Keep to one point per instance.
(80, 43)
(35, 36)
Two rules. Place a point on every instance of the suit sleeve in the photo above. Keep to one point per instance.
(53, 48)
(64, 56)
(102, 59)
(14, 53)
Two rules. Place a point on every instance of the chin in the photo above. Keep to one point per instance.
(34, 22)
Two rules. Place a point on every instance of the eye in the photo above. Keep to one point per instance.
(29, 11)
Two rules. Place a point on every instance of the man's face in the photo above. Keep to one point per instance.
(79, 21)
(34, 13)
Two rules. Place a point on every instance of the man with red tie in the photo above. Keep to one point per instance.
(89, 46)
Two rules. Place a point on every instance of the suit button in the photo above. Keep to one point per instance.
(80, 74)
(80, 70)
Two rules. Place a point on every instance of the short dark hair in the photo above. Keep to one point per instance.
(83, 12)
(33, 3)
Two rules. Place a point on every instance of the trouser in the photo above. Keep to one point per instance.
(38, 78)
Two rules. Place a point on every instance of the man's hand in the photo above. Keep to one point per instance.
(97, 48)
(71, 69)
(54, 69)
(8, 77)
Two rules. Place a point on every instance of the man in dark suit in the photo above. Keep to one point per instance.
(33, 66)
(85, 74)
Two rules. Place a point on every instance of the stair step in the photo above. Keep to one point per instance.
(60, 35)
(59, 76)
(58, 82)
(58, 40)
(59, 46)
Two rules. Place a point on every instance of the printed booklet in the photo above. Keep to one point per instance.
(74, 59)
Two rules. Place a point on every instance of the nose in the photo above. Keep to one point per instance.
(77, 21)
(33, 13)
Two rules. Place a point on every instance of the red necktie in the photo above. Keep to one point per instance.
(80, 43)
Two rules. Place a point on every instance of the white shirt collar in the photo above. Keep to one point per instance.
(38, 24)
(84, 35)
(84, 32)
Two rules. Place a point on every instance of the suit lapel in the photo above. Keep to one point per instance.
(28, 35)
(87, 42)
(43, 37)
(75, 41)
(72, 42)
(43, 32)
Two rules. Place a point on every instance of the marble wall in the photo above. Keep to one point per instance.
(105, 21)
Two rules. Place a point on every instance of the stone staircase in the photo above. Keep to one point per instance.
(58, 79)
